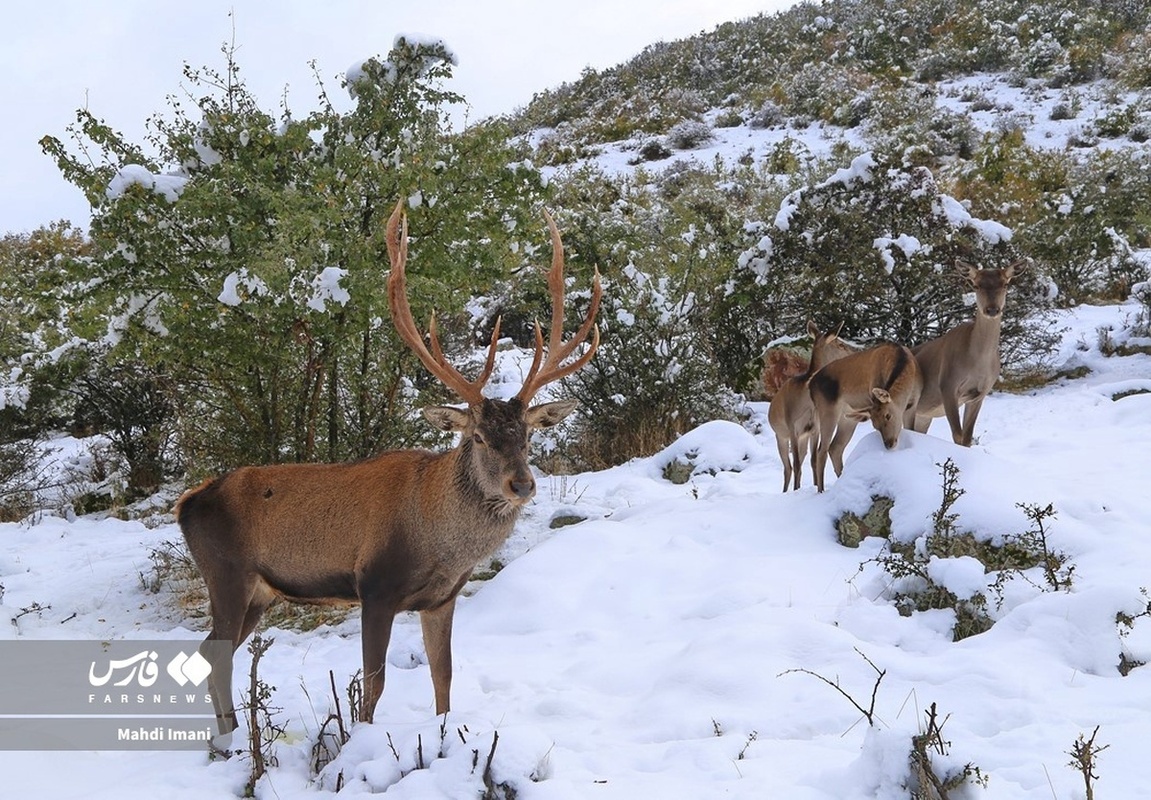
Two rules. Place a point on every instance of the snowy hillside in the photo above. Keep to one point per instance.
(991, 102)
(681, 641)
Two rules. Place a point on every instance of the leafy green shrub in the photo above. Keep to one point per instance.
(1115, 123)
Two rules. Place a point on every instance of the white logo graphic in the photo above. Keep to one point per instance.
(192, 668)
(143, 668)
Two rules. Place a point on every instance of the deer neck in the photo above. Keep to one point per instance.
(985, 331)
(493, 510)
(818, 360)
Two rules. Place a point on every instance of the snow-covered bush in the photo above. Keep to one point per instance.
(653, 377)
(652, 149)
(768, 115)
(908, 117)
(872, 247)
(689, 134)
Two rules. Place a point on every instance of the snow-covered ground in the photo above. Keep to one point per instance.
(672, 644)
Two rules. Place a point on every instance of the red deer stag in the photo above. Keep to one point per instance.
(962, 365)
(881, 384)
(399, 531)
(791, 414)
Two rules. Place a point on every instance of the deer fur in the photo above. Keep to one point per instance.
(791, 413)
(961, 366)
(882, 385)
(401, 531)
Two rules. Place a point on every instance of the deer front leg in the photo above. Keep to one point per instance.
(437, 627)
(970, 413)
(376, 621)
(843, 435)
(951, 409)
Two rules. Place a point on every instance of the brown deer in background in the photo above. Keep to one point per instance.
(882, 384)
(962, 365)
(399, 531)
(791, 413)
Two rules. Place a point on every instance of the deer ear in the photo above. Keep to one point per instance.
(880, 395)
(966, 271)
(812, 331)
(1014, 268)
(858, 414)
(546, 415)
(447, 418)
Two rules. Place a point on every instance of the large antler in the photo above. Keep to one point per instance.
(469, 391)
(558, 351)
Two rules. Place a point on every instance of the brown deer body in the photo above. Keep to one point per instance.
(961, 366)
(401, 531)
(882, 385)
(791, 413)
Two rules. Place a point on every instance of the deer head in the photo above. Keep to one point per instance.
(990, 285)
(494, 433)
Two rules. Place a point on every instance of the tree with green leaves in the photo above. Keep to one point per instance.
(246, 259)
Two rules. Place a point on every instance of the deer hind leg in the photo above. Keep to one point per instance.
(231, 599)
(781, 444)
(262, 597)
(825, 419)
(437, 627)
(799, 451)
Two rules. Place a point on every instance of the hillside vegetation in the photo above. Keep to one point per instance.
(830, 162)
(832, 60)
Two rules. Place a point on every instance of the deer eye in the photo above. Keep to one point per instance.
(477, 438)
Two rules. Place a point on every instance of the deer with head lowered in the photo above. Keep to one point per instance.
(400, 531)
(791, 413)
(962, 365)
(881, 385)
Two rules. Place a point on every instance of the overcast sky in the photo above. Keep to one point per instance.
(122, 58)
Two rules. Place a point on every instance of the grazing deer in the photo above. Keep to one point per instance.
(882, 384)
(791, 413)
(399, 531)
(962, 365)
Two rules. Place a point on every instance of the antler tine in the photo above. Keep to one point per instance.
(557, 350)
(435, 361)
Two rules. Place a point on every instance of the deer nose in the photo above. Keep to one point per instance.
(524, 488)
(993, 311)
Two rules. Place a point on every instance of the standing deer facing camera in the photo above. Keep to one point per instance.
(400, 531)
(962, 365)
